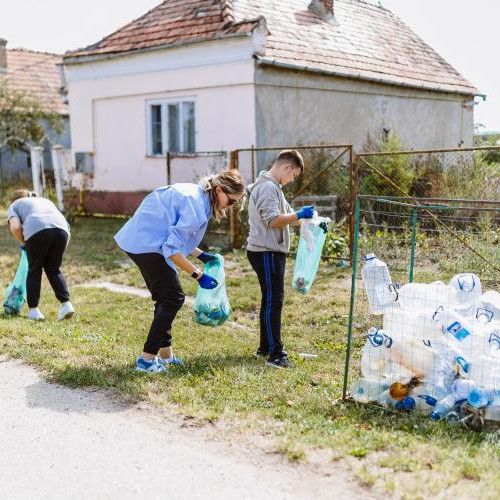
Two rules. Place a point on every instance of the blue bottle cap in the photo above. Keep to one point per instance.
(408, 403)
(435, 415)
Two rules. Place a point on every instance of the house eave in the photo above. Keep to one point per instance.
(69, 60)
(266, 61)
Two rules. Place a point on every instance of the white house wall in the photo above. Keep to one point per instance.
(311, 108)
(108, 109)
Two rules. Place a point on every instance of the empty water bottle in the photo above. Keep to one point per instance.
(365, 391)
(426, 297)
(443, 407)
(377, 282)
(467, 286)
(462, 388)
(492, 411)
(490, 301)
(485, 371)
(478, 397)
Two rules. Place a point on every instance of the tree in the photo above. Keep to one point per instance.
(23, 118)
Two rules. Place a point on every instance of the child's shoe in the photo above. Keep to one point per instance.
(35, 314)
(279, 362)
(152, 366)
(66, 310)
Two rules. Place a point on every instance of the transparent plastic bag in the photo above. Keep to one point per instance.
(312, 238)
(15, 295)
(211, 307)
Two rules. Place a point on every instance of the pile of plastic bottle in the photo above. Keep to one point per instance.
(438, 351)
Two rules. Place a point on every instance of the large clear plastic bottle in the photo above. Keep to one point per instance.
(485, 372)
(489, 305)
(492, 411)
(468, 288)
(415, 322)
(365, 391)
(377, 283)
(376, 359)
(427, 395)
(468, 335)
(426, 297)
(411, 352)
(479, 397)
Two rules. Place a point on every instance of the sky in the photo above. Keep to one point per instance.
(464, 32)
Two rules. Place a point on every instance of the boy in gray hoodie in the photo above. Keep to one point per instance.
(268, 243)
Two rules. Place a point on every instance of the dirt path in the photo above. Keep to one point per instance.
(70, 443)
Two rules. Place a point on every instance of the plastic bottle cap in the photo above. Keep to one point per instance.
(369, 256)
(408, 403)
(435, 415)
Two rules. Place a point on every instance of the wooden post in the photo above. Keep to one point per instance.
(169, 172)
(233, 214)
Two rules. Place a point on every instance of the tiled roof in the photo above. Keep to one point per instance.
(170, 23)
(367, 42)
(37, 73)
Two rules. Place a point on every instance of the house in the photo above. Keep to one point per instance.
(216, 75)
(37, 74)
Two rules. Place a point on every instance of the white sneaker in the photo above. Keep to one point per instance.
(66, 310)
(35, 314)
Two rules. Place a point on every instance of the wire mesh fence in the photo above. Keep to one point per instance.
(465, 173)
(326, 181)
(424, 323)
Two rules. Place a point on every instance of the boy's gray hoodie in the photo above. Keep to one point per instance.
(265, 202)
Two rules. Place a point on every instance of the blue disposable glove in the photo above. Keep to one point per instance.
(207, 282)
(206, 257)
(22, 246)
(306, 212)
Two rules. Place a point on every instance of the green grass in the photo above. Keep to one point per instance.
(405, 455)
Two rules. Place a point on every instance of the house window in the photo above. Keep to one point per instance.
(171, 127)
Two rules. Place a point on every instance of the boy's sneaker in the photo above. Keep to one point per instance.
(66, 310)
(260, 353)
(279, 362)
(35, 314)
(153, 366)
(169, 361)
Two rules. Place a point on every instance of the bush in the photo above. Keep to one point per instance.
(397, 168)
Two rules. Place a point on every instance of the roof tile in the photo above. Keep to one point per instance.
(368, 41)
(37, 73)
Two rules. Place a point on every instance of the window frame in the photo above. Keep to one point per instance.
(164, 103)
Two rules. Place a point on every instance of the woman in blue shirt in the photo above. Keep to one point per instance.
(167, 227)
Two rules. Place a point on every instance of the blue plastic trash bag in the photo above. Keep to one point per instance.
(312, 239)
(211, 307)
(15, 296)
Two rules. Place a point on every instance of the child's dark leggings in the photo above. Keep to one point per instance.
(270, 269)
(45, 251)
(166, 291)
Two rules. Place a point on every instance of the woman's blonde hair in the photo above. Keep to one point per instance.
(231, 182)
(21, 193)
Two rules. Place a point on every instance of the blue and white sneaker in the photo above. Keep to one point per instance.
(153, 366)
(170, 361)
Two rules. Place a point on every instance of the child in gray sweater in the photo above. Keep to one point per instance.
(268, 243)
